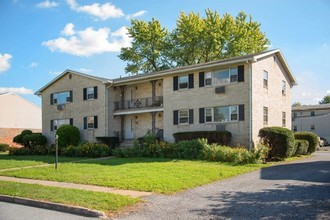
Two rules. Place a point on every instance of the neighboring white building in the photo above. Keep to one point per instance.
(314, 118)
(17, 114)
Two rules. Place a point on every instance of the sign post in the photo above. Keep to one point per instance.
(56, 151)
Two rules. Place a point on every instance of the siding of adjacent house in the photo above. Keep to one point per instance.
(78, 108)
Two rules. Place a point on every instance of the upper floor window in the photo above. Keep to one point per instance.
(90, 93)
(312, 113)
(283, 119)
(90, 122)
(208, 79)
(225, 76)
(61, 97)
(283, 87)
(55, 124)
(183, 82)
(265, 116)
(265, 79)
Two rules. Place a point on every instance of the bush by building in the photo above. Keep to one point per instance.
(4, 147)
(68, 135)
(312, 139)
(301, 147)
(218, 137)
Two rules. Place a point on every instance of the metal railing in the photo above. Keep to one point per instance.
(151, 102)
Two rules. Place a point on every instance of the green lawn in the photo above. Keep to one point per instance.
(106, 202)
(143, 174)
(7, 161)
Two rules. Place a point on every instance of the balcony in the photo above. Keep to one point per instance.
(141, 103)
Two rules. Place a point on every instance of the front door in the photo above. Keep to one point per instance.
(129, 130)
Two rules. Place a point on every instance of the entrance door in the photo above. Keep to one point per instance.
(129, 130)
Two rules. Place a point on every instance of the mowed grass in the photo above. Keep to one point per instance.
(105, 202)
(143, 174)
(7, 161)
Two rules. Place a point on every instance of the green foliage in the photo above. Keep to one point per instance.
(296, 104)
(4, 147)
(68, 135)
(110, 141)
(195, 40)
(86, 150)
(312, 139)
(219, 137)
(32, 150)
(279, 140)
(325, 100)
(34, 139)
(19, 138)
(301, 147)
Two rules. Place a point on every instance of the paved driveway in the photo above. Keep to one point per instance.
(299, 190)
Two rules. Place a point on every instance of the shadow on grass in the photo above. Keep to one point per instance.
(39, 158)
(283, 202)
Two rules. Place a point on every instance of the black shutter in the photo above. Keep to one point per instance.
(201, 115)
(95, 122)
(191, 81)
(191, 116)
(51, 99)
(51, 125)
(85, 93)
(85, 122)
(175, 83)
(175, 117)
(240, 74)
(241, 112)
(201, 79)
(71, 121)
(95, 92)
(71, 96)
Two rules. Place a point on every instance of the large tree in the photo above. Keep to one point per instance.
(325, 100)
(195, 40)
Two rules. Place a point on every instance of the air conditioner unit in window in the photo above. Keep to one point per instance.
(60, 107)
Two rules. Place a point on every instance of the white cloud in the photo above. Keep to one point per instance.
(89, 42)
(33, 64)
(47, 4)
(68, 29)
(4, 62)
(137, 14)
(17, 90)
(103, 12)
(328, 92)
(85, 70)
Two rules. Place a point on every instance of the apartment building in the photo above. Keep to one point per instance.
(241, 95)
(313, 118)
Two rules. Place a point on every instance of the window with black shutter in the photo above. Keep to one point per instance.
(201, 79)
(241, 73)
(175, 83)
(191, 116)
(175, 117)
(201, 115)
(241, 112)
(191, 81)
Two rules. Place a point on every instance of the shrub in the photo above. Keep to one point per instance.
(19, 151)
(68, 135)
(310, 137)
(86, 150)
(4, 147)
(34, 139)
(190, 149)
(302, 147)
(19, 139)
(279, 140)
(112, 142)
(219, 137)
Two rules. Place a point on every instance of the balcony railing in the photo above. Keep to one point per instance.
(151, 102)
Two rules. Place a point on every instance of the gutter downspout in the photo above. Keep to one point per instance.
(250, 105)
(107, 96)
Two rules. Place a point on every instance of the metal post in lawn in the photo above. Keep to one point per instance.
(56, 151)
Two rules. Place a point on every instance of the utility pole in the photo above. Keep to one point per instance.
(56, 151)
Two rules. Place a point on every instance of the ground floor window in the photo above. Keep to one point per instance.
(90, 122)
(56, 123)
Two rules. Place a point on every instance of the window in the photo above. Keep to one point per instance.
(90, 122)
(265, 79)
(90, 93)
(225, 76)
(183, 117)
(225, 114)
(283, 87)
(208, 115)
(208, 79)
(183, 82)
(265, 115)
(312, 113)
(283, 119)
(295, 128)
(61, 97)
(312, 127)
(55, 124)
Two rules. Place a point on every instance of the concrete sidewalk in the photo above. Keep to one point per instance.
(131, 193)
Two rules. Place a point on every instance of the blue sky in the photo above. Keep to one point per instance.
(40, 39)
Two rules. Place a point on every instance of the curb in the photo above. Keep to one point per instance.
(54, 206)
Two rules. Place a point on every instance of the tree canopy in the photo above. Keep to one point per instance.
(195, 40)
(296, 104)
(325, 100)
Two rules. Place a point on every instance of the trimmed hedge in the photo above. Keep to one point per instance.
(34, 139)
(34, 150)
(19, 139)
(218, 137)
(312, 139)
(279, 140)
(4, 147)
(86, 150)
(68, 135)
(301, 147)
